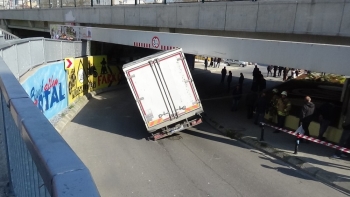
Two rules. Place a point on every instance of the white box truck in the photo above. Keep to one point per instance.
(165, 93)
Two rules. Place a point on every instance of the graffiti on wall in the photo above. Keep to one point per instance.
(47, 89)
(64, 32)
(88, 74)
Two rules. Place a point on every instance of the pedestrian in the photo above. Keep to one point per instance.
(223, 74)
(269, 68)
(344, 140)
(206, 63)
(273, 104)
(251, 99)
(211, 62)
(229, 80)
(218, 62)
(240, 80)
(325, 118)
(255, 71)
(214, 62)
(280, 68)
(292, 74)
(297, 71)
(261, 83)
(237, 94)
(260, 109)
(283, 107)
(285, 72)
(306, 115)
(274, 70)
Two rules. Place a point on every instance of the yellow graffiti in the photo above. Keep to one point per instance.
(89, 74)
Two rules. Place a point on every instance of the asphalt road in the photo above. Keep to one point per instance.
(109, 136)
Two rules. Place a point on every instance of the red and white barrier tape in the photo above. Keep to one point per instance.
(311, 139)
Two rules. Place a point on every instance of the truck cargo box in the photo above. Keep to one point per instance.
(164, 91)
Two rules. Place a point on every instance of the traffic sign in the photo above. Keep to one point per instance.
(68, 63)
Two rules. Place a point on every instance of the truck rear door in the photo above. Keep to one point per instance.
(163, 88)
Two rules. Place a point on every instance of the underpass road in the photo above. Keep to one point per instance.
(109, 136)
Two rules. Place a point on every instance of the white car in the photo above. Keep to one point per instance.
(240, 63)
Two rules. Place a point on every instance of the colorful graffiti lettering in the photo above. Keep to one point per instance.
(47, 88)
(46, 97)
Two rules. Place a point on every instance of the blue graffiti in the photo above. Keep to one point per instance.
(46, 96)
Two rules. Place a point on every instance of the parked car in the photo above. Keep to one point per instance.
(231, 61)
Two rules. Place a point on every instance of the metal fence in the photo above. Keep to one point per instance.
(39, 161)
(7, 35)
(33, 4)
(24, 54)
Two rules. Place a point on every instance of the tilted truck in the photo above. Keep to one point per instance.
(165, 93)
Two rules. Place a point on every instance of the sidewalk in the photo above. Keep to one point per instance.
(312, 158)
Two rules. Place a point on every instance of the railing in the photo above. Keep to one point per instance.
(39, 161)
(7, 35)
(24, 54)
(33, 4)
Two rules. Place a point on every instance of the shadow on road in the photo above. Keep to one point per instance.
(220, 139)
(287, 171)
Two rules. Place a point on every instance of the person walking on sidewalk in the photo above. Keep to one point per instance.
(223, 74)
(229, 80)
(218, 62)
(214, 62)
(211, 62)
(306, 114)
(260, 109)
(283, 107)
(206, 63)
(325, 118)
(237, 94)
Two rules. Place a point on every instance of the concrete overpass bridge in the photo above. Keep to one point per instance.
(304, 34)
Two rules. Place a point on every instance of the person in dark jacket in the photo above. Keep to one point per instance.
(261, 83)
(260, 109)
(206, 63)
(255, 71)
(280, 68)
(306, 114)
(325, 118)
(237, 94)
(250, 103)
(211, 62)
(229, 80)
(275, 70)
(223, 74)
(241, 79)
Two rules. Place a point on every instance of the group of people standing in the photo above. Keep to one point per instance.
(213, 62)
(229, 79)
(282, 71)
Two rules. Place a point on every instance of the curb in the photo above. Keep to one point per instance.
(72, 110)
(318, 173)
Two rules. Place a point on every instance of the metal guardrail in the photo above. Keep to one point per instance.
(40, 162)
(24, 54)
(7, 35)
(34, 4)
